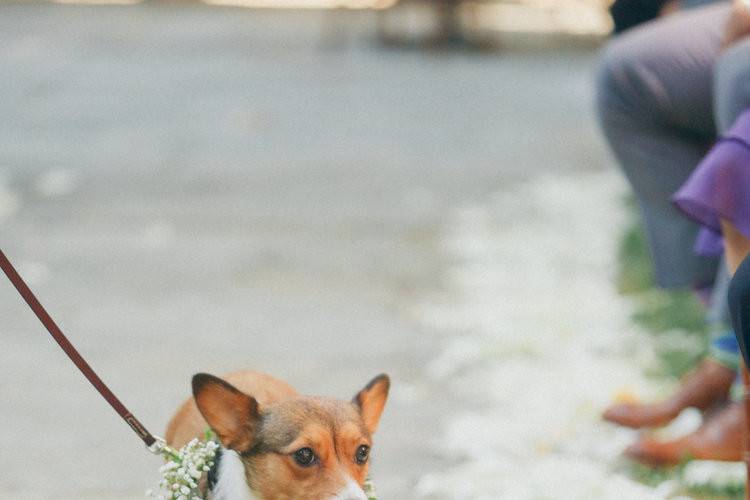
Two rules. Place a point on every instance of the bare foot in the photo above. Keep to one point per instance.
(707, 386)
(719, 438)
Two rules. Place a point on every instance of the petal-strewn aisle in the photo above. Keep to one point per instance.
(536, 342)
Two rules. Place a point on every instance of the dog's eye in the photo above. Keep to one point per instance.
(304, 457)
(363, 453)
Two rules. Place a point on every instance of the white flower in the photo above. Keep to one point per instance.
(184, 468)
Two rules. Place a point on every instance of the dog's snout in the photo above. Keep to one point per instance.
(351, 491)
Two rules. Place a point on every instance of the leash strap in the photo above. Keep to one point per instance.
(73, 354)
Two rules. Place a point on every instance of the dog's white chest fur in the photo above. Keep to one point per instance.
(231, 483)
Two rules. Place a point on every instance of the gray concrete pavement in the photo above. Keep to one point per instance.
(208, 189)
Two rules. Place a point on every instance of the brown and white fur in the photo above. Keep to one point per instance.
(269, 433)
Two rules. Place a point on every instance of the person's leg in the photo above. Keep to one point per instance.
(654, 100)
(719, 438)
(737, 245)
(723, 347)
(706, 387)
(655, 107)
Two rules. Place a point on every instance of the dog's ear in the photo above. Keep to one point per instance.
(232, 414)
(371, 401)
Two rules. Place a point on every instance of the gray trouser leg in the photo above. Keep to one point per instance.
(717, 315)
(655, 105)
(732, 84)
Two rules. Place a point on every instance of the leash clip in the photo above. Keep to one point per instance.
(158, 446)
(161, 448)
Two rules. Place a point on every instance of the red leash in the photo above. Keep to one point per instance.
(72, 353)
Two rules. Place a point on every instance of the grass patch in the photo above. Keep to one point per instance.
(650, 476)
(634, 273)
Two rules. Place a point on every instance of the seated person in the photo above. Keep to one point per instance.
(664, 90)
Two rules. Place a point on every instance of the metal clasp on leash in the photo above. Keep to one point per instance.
(157, 446)
(161, 448)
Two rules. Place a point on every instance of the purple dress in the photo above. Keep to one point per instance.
(719, 188)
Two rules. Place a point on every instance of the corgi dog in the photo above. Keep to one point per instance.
(277, 444)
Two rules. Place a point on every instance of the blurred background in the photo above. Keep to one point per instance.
(320, 189)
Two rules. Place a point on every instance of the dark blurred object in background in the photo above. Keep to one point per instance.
(629, 13)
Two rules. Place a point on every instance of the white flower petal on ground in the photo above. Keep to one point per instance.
(718, 474)
(56, 182)
(35, 273)
(10, 201)
(158, 235)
